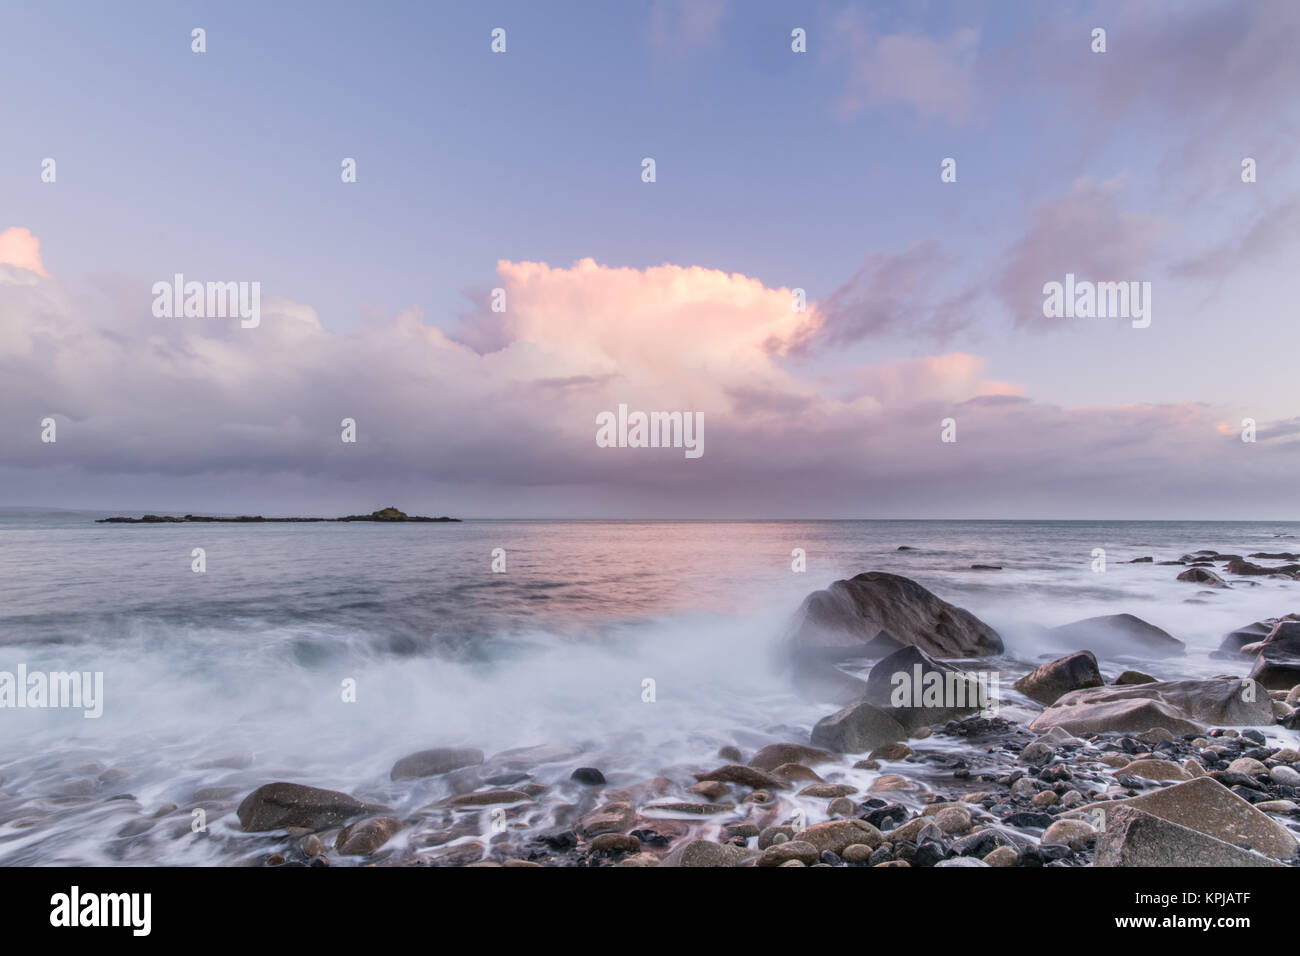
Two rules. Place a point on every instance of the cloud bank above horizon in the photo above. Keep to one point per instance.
(159, 405)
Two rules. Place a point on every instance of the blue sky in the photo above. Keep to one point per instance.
(793, 170)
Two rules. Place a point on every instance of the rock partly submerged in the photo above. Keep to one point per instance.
(1117, 635)
(439, 760)
(846, 620)
(1180, 706)
(1278, 665)
(1048, 682)
(274, 806)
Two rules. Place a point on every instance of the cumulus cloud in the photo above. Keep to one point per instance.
(179, 404)
(19, 248)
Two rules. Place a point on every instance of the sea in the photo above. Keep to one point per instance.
(322, 653)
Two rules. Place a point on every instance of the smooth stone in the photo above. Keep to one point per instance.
(857, 728)
(799, 850)
(1155, 769)
(1048, 682)
(745, 776)
(274, 806)
(1205, 805)
(774, 755)
(1134, 838)
(430, 763)
(366, 836)
(696, 853)
(1076, 834)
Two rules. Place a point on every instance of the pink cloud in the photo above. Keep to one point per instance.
(18, 247)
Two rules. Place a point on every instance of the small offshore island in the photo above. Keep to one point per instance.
(383, 515)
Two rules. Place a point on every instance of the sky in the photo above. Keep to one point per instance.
(774, 171)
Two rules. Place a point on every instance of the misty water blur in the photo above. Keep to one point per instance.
(249, 658)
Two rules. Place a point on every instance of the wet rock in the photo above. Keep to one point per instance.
(857, 728)
(459, 854)
(1048, 682)
(429, 763)
(1155, 769)
(918, 691)
(366, 836)
(588, 776)
(1037, 753)
(1286, 776)
(836, 624)
(1180, 706)
(616, 843)
(699, 809)
(797, 773)
(1208, 807)
(1134, 677)
(1135, 838)
(1076, 834)
(841, 807)
(828, 791)
(486, 798)
(1003, 856)
(745, 776)
(774, 755)
(800, 850)
(953, 820)
(1114, 635)
(894, 751)
(771, 835)
(1276, 668)
(610, 818)
(890, 782)
(857, 853)
(1203, 576)
(711, 790)
(836, 835)
(699, 853)
(274, 806)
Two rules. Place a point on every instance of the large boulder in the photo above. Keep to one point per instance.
(857, 729)
(1234, 641)
(1277, 667)
(1117, 635)
(1183, 706)
(845, 621)
(1284, 637)
(1208, 807)
(1048, 682)
(1133, 837)
(918, 691)
(274, 806)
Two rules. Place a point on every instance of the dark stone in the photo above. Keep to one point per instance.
(587, 775)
